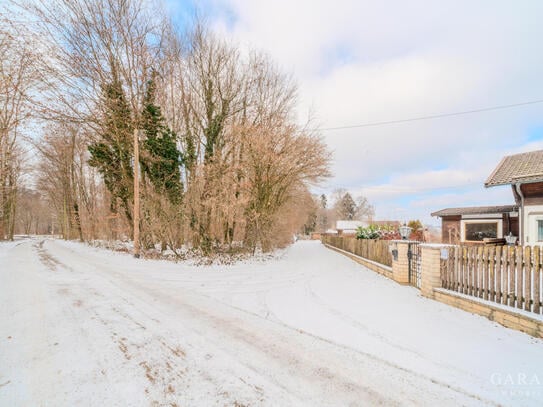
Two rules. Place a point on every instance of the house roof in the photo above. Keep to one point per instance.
(523, 168)
(386, 222)
(349, 224)
(476, 210)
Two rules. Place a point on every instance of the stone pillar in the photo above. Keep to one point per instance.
(430, 268)
(400, 266)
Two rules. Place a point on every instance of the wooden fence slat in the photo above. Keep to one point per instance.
(505, 276)
(503, 279)
(467, 264)
(527, 278)
(483, 265)
(497, 289)
(497, 275)
(471, 259)
(474, 257)
(480, 271)
(537, 279)
(484, 272)
(469, 290)
(490, 275)
(489, 262)
(473, 262)
(486, 275)
(448, 273)
(458, 268)
(465, 259)
(457, 256)
(452, 270)
(460, 260)
(518, 277)
(512, 276)
(454, 267)
(512, 266)
(444, 274)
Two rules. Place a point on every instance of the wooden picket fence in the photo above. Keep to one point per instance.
(506, 275)
(375, 250)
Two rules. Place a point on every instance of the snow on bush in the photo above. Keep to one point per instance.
(384, 232)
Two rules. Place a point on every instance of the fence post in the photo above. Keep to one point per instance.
(430, 268)
(400, 263)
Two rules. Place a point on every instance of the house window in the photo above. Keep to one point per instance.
(476, 231)
(540, 230)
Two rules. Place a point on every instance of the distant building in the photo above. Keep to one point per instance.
(348, 227)
(474, 224)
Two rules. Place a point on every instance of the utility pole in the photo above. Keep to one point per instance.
(136, 194)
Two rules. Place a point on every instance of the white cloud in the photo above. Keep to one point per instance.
(366, 61)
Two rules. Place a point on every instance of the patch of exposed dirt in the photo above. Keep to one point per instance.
(148, 372)
(124, 350)
(177, 351)
(47, 260)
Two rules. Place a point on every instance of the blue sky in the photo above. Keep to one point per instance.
(365, 61)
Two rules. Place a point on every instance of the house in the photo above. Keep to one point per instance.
(524, 172)
(348, 227)
(474, 224)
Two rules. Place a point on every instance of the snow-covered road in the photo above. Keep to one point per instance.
(88, 327)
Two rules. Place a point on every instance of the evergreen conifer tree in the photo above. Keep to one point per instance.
(161, 160)
(112, 153)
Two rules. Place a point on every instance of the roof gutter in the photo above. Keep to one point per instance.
(519, 192)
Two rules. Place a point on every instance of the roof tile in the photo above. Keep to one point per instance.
(524, 167)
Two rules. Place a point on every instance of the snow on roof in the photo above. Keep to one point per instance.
(475, 210)
(349, 224)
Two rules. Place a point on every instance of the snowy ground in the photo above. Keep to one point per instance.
(88, 327)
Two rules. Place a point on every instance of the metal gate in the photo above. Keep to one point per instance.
(413, 254)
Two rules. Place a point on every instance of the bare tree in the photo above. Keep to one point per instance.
(279, 163)
(347, 208)
(364, 210)
(238, 112)
(33, 215)
(17, 79)
(61, 180)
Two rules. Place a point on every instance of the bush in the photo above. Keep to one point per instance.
(369, 232)
(384, 232)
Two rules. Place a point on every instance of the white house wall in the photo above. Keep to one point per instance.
(528, 225)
